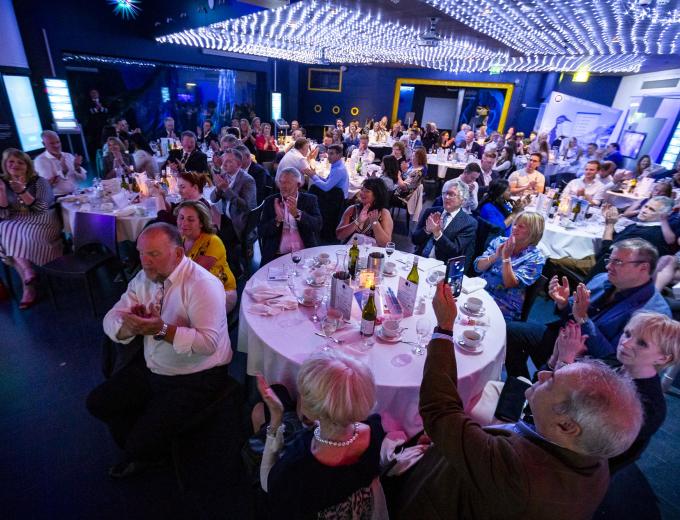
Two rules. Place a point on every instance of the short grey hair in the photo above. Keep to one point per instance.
(459, 185)
(644, 250)
(666, 201)
(45, 133)
(293, 172)
(244, 151)
(235, 152)
(170, 231)
(606, 407)
(336, 387)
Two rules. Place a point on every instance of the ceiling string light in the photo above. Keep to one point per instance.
(545, 35)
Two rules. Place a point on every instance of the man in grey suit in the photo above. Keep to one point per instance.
(235, 196)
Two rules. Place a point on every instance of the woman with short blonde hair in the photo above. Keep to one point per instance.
(332, 471)
(511, 264)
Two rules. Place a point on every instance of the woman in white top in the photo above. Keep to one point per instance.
(142, 156)
(377, 135)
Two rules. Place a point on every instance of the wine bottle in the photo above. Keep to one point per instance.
(124, 183)
(575, 211)
(413, 275)
(353, 258)
(369, 315)
(135, 186)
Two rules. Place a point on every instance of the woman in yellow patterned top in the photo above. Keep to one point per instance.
(203, 246)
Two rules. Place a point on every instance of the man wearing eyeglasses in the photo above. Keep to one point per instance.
(602, 307)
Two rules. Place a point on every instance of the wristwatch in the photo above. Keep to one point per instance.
(160, 335)
(580, 321)
(439, 330)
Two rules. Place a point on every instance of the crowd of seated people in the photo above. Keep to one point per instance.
(188, 265)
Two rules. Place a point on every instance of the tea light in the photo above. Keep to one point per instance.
(366, 278)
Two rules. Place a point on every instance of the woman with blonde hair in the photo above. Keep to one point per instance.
(511, 264)
(203, 246)
(29, 227)
(330, 471)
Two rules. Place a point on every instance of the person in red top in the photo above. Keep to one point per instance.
(265, 140)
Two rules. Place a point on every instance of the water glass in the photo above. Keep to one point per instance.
(329, 324)
(423, 330)
(434, 276)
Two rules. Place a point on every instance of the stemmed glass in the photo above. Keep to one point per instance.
(389, 249)
(295, 256)
(434, 276)
(317, 297)
(423, 330)
(329, 325)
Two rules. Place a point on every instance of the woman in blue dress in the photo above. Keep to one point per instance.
(498, 209)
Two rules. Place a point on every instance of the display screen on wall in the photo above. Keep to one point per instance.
(26, 119)
(60, 104)
(276, 106)
(631, 142)
(325, 80)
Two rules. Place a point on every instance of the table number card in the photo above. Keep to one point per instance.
(341, 297)
(407, 296)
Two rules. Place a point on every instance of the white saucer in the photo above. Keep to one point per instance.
(390, 275)
(312, 283)
(395, 339)
(460, 342)
(306, 303)
(467, 311)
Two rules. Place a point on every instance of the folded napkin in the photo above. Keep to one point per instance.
(264, 310)
(120, 199)
(263, 291)
(125, 212)
(471, 285)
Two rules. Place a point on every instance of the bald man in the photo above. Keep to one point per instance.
(61, 169)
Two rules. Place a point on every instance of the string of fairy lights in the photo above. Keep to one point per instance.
(600, 36)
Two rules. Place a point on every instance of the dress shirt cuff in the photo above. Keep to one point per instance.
(112, 327)
(270, 455)
(437, 237)
(588, 327)
(184, 339)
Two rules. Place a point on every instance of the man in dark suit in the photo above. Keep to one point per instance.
(471, 146)
(290, 220)
(206, 135)
(487, 174)
(188, 159)
(262, 178)
(446, 231)
(584, 413)
(169, 131)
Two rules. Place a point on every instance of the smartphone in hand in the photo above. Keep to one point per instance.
(454, 274)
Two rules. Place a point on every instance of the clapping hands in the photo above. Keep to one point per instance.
(559, 292)
(433, 224)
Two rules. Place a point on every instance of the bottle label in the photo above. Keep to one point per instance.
(367, 327)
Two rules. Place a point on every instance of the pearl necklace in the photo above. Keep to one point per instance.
(336, 444)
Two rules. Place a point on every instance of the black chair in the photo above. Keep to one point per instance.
(486, 232)
(249, 236)
(530, 296)
(331, 207)
(95, 245)
(263, 156)
(7, 281)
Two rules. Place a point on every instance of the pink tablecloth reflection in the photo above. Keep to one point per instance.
(277, 345)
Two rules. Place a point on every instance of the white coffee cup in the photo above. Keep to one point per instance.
(389, 267)
(390, 328)
(308, 294)
(472, 338)
(474, 304)
(324, 258)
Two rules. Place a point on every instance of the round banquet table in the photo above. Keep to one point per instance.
(444, 166)
(128, 227)
(576, 242)
(277, 345)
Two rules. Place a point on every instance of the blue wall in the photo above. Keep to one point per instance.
(598, 89)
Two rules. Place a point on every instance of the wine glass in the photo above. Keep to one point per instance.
(329, 324)
(423, 330)
(317, 296)
(434, 276)
(389, 249)
(295, 256)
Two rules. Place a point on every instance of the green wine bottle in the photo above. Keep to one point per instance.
(413, 275)
(353, 258)
(124, 183)
(368, 315)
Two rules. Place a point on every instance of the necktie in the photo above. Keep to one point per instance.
(185, 157)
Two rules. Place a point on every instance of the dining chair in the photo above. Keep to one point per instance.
(252, 220)
(94, 245)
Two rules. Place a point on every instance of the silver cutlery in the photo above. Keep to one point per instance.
(335, 340)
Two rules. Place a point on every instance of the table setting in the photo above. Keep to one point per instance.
(288, 312)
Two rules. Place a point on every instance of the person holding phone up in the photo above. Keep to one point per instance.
(511, 264)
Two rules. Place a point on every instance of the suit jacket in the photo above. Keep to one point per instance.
(457, 239)
(508, 472)
(197, 161)
(262, 180)
(309, 225)
(241, 198)
(209, 137)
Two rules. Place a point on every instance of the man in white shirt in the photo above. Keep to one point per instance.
(528, 179)
(296, 158)
(591, 154)
(588, 187)
(469, 178)
(177, 307)
(62, 170)
(362, 153)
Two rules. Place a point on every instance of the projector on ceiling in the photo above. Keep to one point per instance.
(431, 37)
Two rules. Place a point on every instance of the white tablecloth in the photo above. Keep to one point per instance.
(576, 242)
(277, 345)
(127, 228)
(443, 166)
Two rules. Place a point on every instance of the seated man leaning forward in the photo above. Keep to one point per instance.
(177, 307)
(584, 414)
